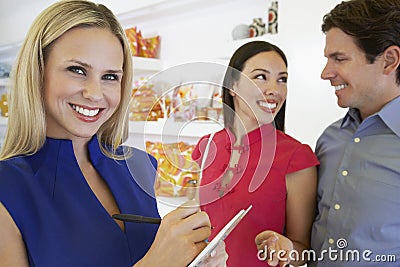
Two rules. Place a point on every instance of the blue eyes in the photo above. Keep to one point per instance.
(111, 77)
(77, 70)
(81, 71)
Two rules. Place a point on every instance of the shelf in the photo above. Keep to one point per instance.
(4, 81)
(169, 127)
(146, 66)
(194, 129)
(169, 131)
(3, 121)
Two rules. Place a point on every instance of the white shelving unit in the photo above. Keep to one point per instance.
(195, 128)
(3, 121)
(169, 131)
(146, 66)
(3, 82)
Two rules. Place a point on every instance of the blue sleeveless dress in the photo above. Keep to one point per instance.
(61, 220)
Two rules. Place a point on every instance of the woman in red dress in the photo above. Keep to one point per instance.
(253, 162)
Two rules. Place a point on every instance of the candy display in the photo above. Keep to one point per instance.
(140, 46)
(144, 104)
(177, 174)
(183, 104)
(132, 36)
(180, 103)
(165, 102)
(149, 47)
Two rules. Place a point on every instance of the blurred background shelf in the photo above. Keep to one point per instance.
(4, 82)
(3, 121)
(193, 128)
(169, 131)
(146, 66)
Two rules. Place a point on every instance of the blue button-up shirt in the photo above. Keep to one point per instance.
(358, 220)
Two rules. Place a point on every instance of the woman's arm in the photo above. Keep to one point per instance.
(300, 208)
(12, 248)
(301, 189)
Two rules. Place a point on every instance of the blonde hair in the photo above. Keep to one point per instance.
(26, 130)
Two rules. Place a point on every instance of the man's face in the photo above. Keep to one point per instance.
(358, 83)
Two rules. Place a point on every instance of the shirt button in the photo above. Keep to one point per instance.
(357, 140)
(331, 241)
(337, 207)
(345, 173)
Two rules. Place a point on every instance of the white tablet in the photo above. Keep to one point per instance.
(219, 237)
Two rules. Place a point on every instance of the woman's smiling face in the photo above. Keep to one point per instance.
(82, 82)
(261, 90)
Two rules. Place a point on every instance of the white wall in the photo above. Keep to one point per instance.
(202, 33)
(16, 16)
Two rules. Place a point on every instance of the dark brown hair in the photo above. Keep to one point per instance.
(373, 24)
(236, 65)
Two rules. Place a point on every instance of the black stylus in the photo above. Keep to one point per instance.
(136, 218)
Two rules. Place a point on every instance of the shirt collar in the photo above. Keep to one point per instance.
(67, 147)
(388, 114)
(352, 116)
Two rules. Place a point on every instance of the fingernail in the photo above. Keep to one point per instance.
(213, 253)
(275, 237)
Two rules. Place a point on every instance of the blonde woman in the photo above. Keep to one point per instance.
(63, 171)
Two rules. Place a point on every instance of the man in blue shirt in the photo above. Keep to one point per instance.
(358, 220)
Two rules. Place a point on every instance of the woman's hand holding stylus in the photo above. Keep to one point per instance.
(180, 237)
